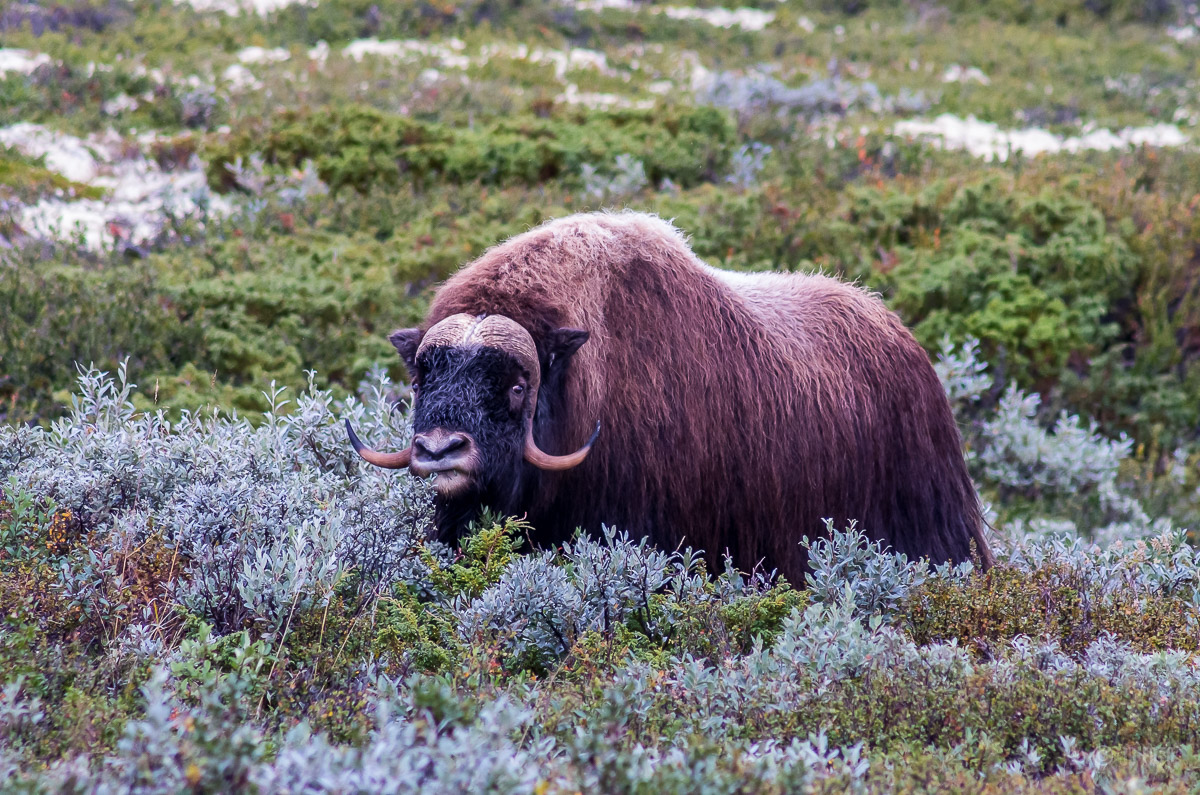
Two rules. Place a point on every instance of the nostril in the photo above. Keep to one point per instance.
(434, 446)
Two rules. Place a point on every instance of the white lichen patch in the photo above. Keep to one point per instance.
(744, 18)
(600, 100)
(564, 61)
(965, 74)
(239, 78)
(72, 157)
(138, 195)
(990, 142)
(448, 54)
(235, 7)
(122, 103)
(690, 71)
(155, 74)
(752, 19)
(263, 55)
(1182, 33)
(573, 59)
(21, 61)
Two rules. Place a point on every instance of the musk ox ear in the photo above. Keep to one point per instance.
(405, 341)
(562, 343)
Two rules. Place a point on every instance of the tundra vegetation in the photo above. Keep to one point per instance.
(210, 221)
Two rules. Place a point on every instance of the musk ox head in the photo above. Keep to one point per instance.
(477, 383)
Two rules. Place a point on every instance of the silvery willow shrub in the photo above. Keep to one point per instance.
(612, 594)
(1062, 467)
(1017, 452)
(626, 178)
(1061, 589)
(763, 721)
(542, 604)
(569, 674)
(616, 576)
(495, 746)
(745, 164)
(698, 766)
(171, 748)
(18, 710)
(848, 567)
(828, 643)
(754, 92)
(1163, 565)
(1067, 458)
(821, 650)
(962, 372)
(263, 520)
(411, 750)
(834, 670)
(534, 611)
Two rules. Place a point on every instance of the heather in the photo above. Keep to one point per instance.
(210, 221)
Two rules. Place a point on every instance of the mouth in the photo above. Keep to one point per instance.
(447, 483)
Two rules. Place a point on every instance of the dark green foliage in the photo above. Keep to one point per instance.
(1067, 293)
(1080, 288)
(1036, 279)
(360, 147)
(405, 18)
(58, 315)
(483, 555)
(708, 628)
(260, 300)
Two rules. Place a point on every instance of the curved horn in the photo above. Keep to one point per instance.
(556, 463)
(386, 460)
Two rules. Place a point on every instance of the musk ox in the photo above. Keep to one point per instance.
(594, 370)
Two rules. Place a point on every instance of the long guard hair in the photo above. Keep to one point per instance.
(739, 410)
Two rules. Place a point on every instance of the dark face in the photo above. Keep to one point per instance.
(471, 416)
(469, 425)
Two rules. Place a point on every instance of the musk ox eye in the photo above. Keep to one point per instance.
(516, 397)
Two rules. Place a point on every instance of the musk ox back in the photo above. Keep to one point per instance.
(738, 411)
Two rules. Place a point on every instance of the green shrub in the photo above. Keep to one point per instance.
(1035, 279)
(58, 316)
(359, 147)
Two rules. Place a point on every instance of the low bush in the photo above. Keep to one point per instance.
(358, 147)
(211, 604)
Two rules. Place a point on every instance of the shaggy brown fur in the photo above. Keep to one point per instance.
(739, 410)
